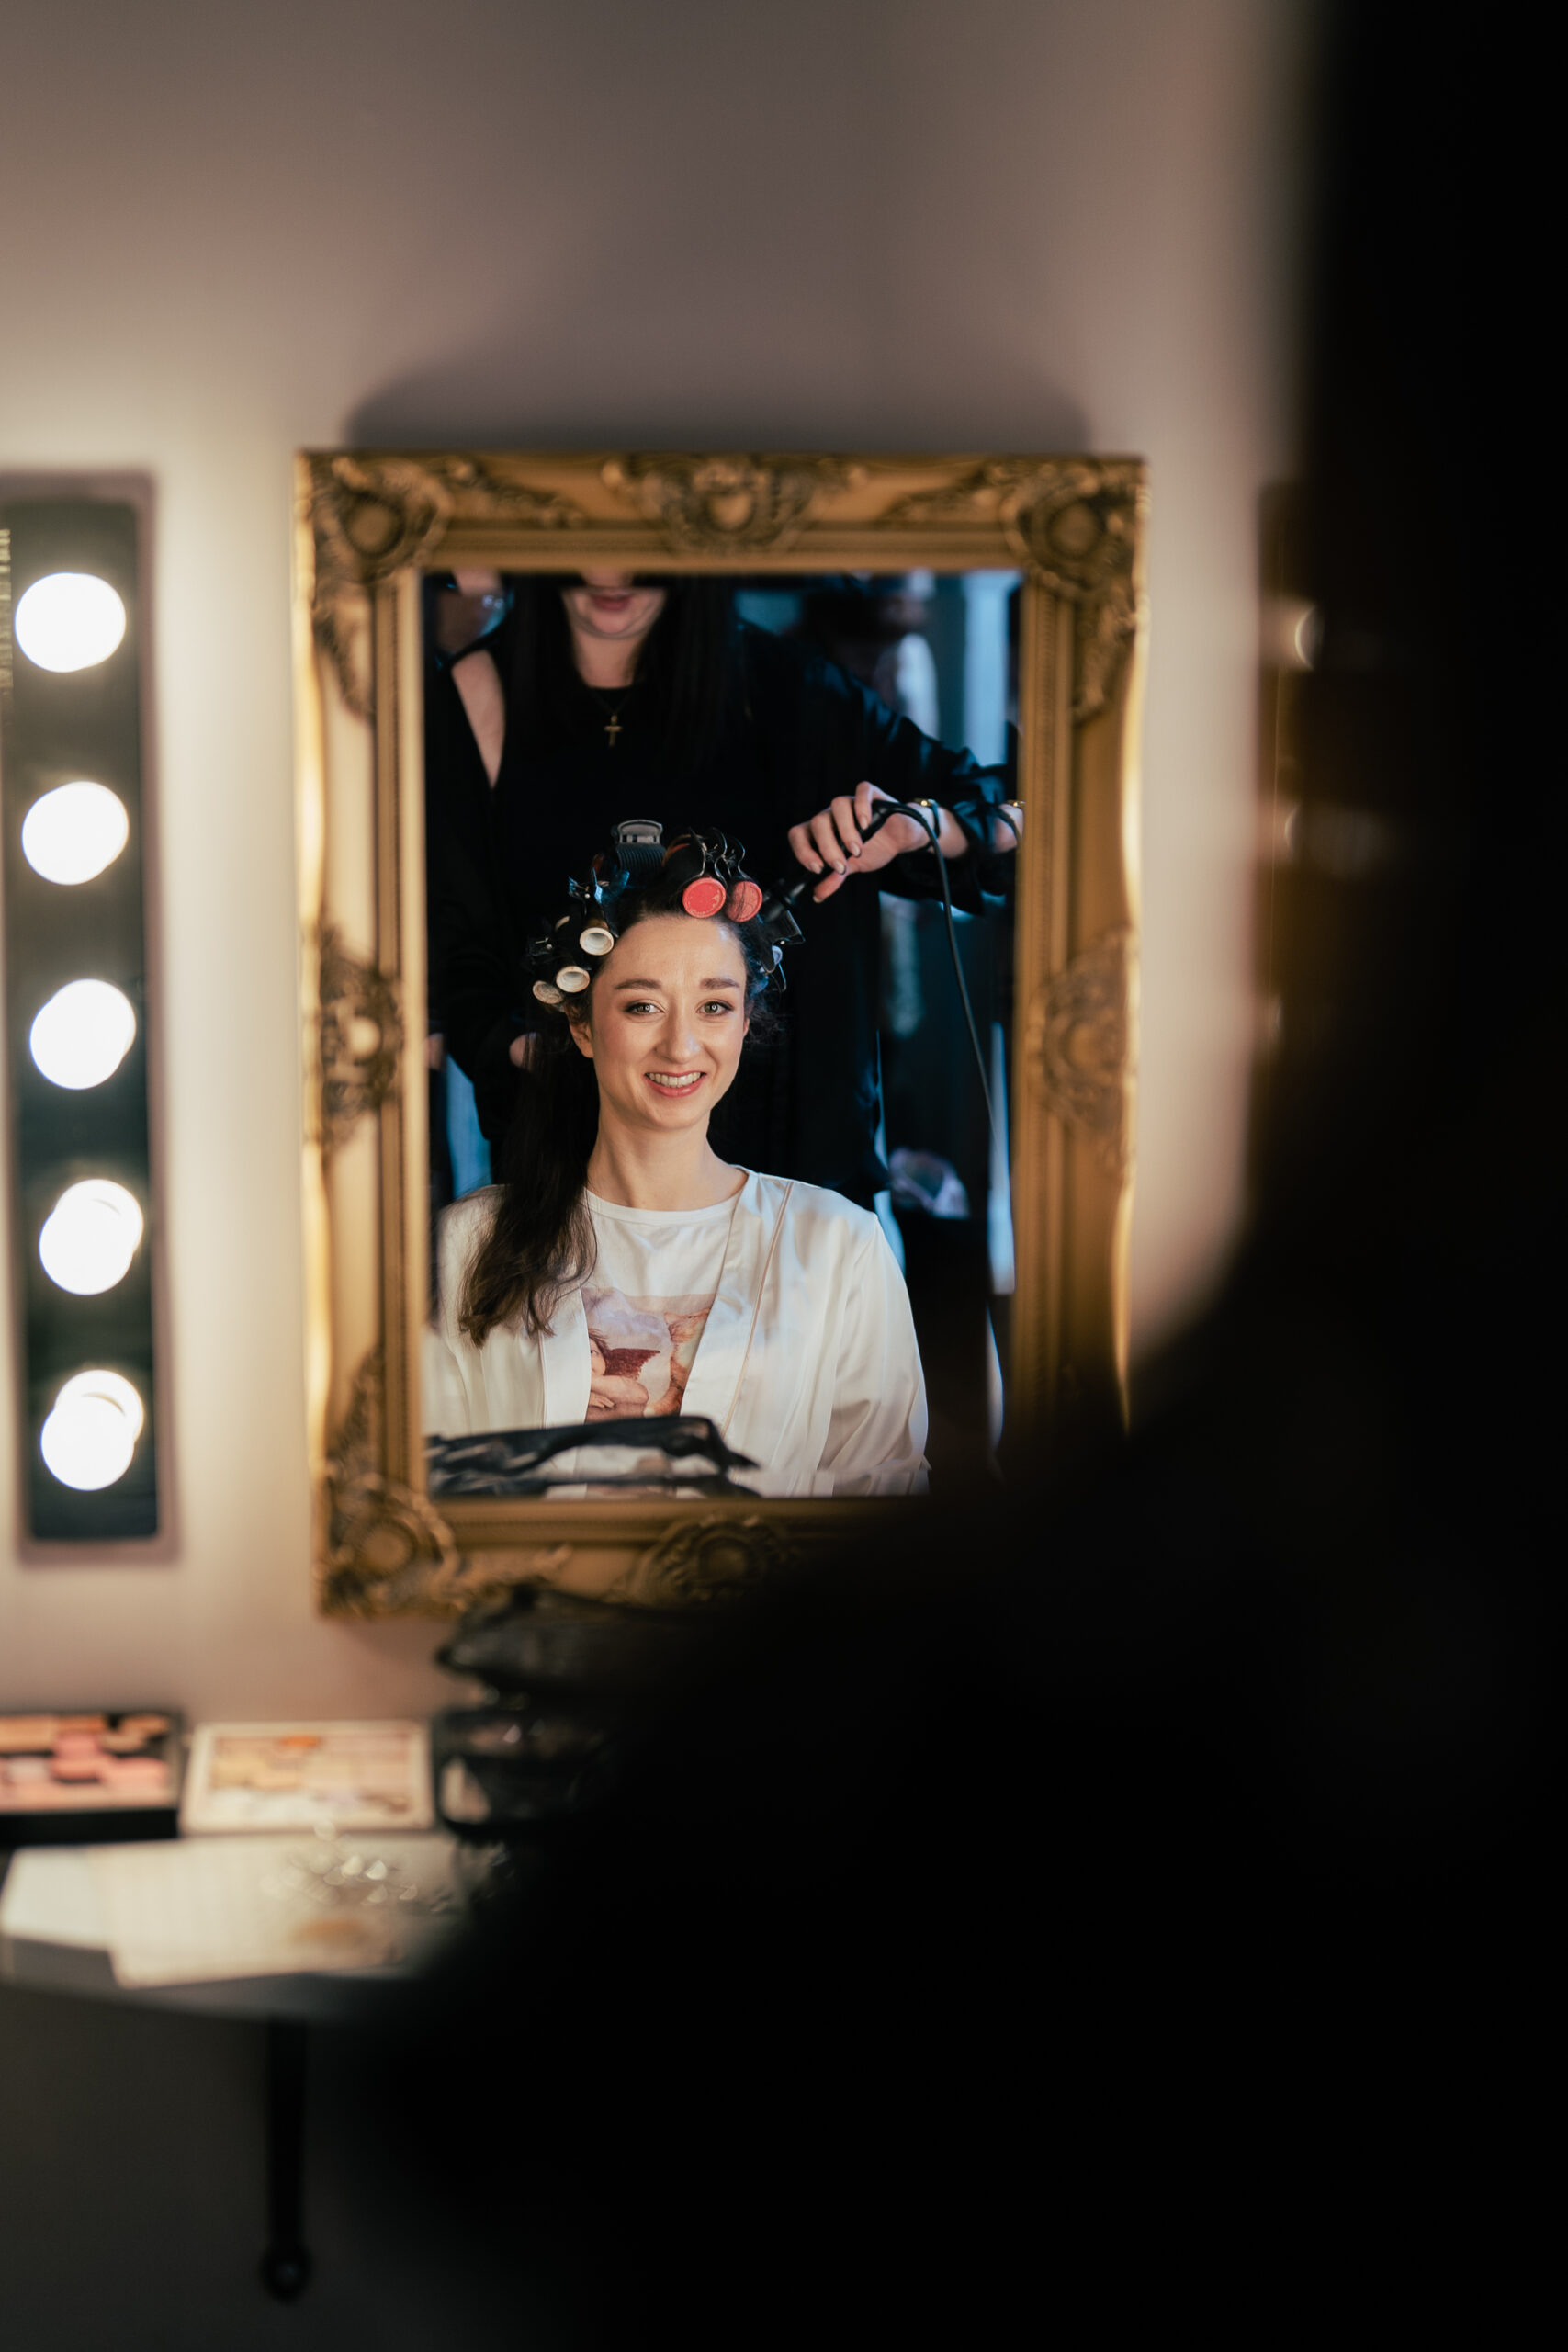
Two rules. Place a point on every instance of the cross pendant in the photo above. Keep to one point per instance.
(612, 728)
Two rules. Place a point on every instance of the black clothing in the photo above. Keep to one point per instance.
(799, 731)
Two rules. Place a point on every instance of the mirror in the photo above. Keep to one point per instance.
(495, 664)
(869, 1082)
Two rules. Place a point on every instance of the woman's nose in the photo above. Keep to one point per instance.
(679, 1040)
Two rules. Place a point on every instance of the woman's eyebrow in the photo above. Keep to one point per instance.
(723, 982)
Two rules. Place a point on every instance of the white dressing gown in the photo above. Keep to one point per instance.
(807, 1361)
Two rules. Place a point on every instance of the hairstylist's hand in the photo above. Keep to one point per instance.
(829, 843)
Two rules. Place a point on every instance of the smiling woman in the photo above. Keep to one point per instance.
(623, 1269)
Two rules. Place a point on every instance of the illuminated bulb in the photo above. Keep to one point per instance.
(83, 1034)
(69, 621)
(1307, 636)
(90, 1236)
(74, 831)
(90, 1436)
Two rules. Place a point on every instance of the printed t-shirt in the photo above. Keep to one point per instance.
(647, 1298)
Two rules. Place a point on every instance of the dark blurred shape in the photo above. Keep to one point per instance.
(859, 624)
(1124, 1902)
(504, 1768)
(566, 1645)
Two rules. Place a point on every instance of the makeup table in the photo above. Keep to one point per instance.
(59, 1934)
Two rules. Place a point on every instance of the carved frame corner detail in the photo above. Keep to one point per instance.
(728, 504)
(711, 1557)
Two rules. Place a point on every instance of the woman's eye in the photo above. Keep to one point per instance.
(718, 1004)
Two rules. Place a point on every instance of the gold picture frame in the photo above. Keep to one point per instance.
(368, 523)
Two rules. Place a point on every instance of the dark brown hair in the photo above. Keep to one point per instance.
(688, 668)
(540, 1240)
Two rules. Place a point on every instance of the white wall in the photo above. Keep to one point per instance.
(229, 234)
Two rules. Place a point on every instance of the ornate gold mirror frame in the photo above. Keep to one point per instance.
(366, 524)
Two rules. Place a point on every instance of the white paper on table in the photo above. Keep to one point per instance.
(51, 1898)
(212, 1909)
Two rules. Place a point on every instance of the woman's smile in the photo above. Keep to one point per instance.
(610, 609)
(675, 1082)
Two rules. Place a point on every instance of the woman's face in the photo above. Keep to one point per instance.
(665, 1023)
(608, 607)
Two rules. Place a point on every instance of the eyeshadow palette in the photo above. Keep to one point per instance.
(361, 1776)
(67, 1774)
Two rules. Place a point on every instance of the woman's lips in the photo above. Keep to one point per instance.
(674, 1081)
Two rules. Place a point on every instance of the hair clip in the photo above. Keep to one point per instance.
(635, 854)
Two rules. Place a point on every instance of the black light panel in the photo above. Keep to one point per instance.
(72, 649)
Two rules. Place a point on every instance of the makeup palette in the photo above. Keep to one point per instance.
(328, 1777)
(88, 1773)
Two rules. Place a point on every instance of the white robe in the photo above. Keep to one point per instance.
(808, 1363)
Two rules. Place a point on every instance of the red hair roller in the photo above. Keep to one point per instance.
(744, 901)
(705, 896)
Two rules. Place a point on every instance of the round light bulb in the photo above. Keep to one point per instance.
(72, 832)
(89, 1438)
(90, 1236)
(69, 621)
(83, 1034)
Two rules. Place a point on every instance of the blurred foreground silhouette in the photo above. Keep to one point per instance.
(1102, 1900)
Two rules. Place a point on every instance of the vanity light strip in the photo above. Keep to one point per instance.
(72, 650)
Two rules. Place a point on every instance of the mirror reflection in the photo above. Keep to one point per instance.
(731, 1160)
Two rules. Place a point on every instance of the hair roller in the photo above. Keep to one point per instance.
(706, 896)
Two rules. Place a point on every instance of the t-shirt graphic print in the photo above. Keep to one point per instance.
(641, 1351)
(654, 1281)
